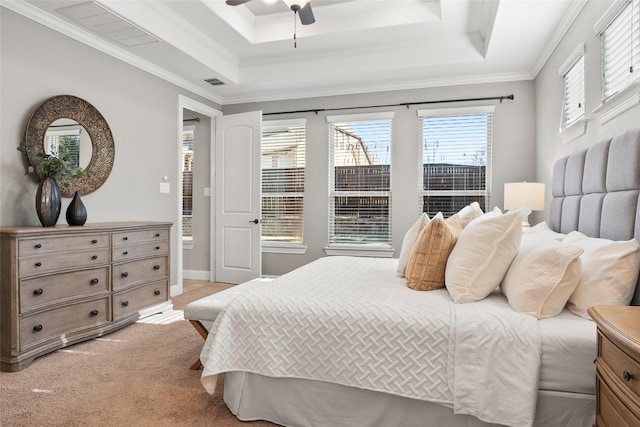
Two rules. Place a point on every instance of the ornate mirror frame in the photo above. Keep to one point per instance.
(103, 148)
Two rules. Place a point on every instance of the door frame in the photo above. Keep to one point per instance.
(185, 102)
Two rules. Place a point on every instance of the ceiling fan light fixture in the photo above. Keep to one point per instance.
(296, 5)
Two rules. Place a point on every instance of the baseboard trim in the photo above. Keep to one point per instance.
(196, 274)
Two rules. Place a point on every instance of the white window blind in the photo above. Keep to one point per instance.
(573, 99)
(620, 42)
(455, 160)
(360, 182)
(187, 183)
(283, 170)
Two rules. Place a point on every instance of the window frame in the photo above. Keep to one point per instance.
(455, 111)
(382, 250)
(188, 243)
(629, 96)
(269, 246)
(571, 130)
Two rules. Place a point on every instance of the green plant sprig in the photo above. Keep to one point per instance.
(56, 165)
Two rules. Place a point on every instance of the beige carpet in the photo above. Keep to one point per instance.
(137, 376)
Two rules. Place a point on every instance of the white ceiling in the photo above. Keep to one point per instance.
(354, 46)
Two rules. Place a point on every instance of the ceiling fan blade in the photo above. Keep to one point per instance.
(306, 15)
(236, 2)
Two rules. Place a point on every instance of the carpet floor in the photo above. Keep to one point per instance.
(137, 376)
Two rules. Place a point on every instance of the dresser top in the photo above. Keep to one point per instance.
(87, 228)
(620, 323)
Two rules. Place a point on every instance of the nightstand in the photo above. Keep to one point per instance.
(617, 365)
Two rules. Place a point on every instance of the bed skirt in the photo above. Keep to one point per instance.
(296, 402)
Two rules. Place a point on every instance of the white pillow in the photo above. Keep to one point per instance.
(482, 255)
(542, 229)
(542, 276)
(408, 242)
(609, 272)
(469, 213)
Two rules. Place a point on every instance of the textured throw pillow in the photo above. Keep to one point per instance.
(408, 241)
(425, 270)
(483, 253)
(609, 272)
(542, 276)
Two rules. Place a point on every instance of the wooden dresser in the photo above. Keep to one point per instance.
(61, 285)
(617, 365)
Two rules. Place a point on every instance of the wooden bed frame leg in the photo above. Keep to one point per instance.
(203, 333)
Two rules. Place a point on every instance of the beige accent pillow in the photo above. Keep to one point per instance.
(408, 242)
(542, 276)
(483, 253)
(425, 270)
(609, 272)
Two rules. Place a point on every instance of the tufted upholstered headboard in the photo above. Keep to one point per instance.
(595, 191)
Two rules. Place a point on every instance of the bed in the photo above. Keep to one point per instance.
(344, 341)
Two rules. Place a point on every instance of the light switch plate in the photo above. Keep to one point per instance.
(207, 192)
(165, 187)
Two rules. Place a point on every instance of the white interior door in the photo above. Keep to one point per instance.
(238, 193)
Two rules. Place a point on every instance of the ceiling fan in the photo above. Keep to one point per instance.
(299, 7)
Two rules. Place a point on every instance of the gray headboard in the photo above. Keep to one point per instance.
(595, 191)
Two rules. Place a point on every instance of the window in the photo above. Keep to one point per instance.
(573, 99)
(65, 140)
(455, 159)
(360, 180)
(283, 170)
(187, 183)
(620, 41)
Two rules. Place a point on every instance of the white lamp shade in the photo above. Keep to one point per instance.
(524, 194)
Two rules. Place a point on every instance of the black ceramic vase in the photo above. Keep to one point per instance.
(76, 212)
(48, 202)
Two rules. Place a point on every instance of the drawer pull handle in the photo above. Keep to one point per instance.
(157, 248)
(38, 292)
(156, 292)
(37, 328)
(94, 313)
(156, 267)
(125, 253)
(125, 238)
(94, 257)
(157, 234)
(627, 376)
(38, 264)
(125, 303)
(94, 241)
(125, 274)
(38, 246)
(94, 281)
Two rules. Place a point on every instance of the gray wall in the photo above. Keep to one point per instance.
(512, 152)
(142, 112)
(196, 261)
(548, 94)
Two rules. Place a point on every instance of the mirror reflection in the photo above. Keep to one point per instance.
(67, 135)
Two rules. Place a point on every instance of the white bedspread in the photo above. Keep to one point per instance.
(351, 321)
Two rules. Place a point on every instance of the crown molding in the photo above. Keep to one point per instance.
(27, 10)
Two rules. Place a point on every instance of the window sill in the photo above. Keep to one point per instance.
(618, 103)
(188, 244)
(574, 130)
(360, 250)
(295, 249)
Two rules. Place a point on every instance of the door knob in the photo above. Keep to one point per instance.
(255, 221)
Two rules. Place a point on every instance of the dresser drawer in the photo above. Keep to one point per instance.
(124, 253)
(611, 409)
(41, 291)
(45, 263)
(625, 369)
(138, 272)
(129, 302)
(61, 321)
(142, 236)
(36, 246)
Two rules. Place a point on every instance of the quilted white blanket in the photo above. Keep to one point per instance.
(351, 321)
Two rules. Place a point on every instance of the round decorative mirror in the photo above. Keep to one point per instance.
(86, 135)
